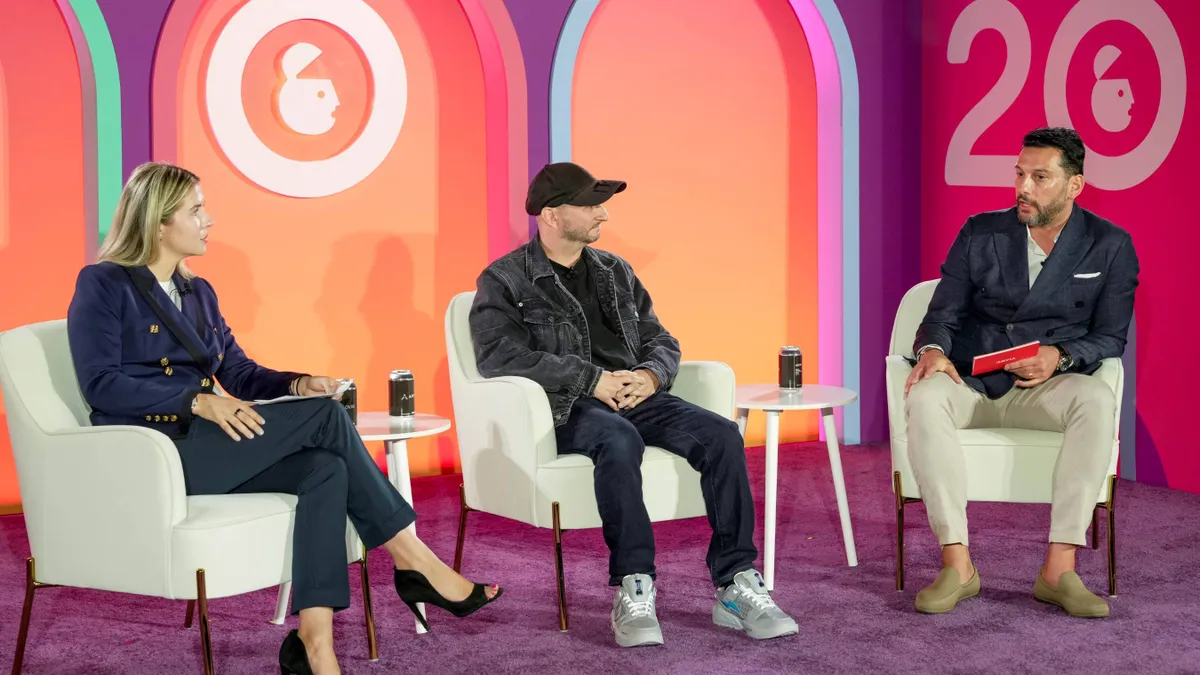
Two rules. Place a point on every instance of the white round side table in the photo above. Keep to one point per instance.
(773, 401)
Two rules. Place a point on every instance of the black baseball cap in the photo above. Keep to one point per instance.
(567, 183)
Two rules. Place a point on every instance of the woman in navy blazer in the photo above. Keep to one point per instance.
(150, 348)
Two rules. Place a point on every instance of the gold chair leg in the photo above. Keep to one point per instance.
(896, 484)
(1096, 527)
(368, 609)
(191, 608)
(205, 637)
(462, 527)
(558, 568)
(26, 611)
(1112, 536)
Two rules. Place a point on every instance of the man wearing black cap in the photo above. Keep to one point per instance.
(577, 321)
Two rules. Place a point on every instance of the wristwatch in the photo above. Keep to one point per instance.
(922, 350)
(1065, 360)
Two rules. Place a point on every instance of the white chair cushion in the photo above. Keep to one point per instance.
(241, 541)
(1021, 437)
(670, 488)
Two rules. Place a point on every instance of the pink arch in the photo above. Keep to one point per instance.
(506, 108)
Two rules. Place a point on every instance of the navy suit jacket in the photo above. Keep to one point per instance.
(135, 362)
(1082, 299)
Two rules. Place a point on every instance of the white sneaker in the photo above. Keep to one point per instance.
(746, 605)
(634, 621)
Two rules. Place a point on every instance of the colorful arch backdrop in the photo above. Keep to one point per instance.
(486, 66)
(48, 161)
(447, 197)
(1117, 72)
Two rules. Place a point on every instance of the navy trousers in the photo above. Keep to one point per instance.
(309, 449)
(711, 444)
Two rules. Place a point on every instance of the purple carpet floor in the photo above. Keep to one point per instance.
(852, 620)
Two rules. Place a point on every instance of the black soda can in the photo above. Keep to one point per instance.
(401, 394)
(790, 368)
(350, 401)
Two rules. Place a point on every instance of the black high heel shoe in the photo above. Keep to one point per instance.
(293, 658)
(413, 587)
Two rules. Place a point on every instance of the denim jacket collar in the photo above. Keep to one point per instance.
(537, 263)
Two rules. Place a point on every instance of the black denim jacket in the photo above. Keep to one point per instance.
(524, 322)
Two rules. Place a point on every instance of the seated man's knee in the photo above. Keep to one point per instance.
(619, 442)
(1092, 395)
(929, 395)
(727, 438)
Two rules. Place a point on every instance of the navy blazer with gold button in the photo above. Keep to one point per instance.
(140, 360)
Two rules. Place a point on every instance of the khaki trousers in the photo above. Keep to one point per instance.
(1080, 407)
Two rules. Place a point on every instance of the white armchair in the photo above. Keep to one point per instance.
(105, 507)
(510, 462)
(1003, 465)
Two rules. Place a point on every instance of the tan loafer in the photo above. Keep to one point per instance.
(1072, 596)
(945, 592)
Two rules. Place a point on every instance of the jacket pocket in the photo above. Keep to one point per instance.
(551, 331)
(1082, 296)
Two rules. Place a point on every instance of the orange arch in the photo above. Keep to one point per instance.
(45, 208)
(709, 111)
(354, 284)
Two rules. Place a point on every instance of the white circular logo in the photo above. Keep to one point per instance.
(227, 114)
(1119, 173)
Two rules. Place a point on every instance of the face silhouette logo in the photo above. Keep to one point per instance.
(1111, 99)
(306, 105)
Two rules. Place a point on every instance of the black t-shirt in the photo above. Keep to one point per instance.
(608, 348)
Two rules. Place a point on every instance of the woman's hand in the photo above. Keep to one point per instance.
(235, 416)
(315, 386)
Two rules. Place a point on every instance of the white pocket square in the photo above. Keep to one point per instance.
(1089, 275)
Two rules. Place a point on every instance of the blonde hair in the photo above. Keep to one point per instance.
(152, 195)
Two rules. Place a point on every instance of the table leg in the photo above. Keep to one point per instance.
(772, 484)
(397, 464)
(281, 603)
(839, 484)
(743, 414)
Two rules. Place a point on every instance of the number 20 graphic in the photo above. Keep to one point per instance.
(1105, 172)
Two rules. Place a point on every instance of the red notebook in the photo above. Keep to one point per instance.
(986, 363)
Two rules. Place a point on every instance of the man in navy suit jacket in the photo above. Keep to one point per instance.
(1045, 270)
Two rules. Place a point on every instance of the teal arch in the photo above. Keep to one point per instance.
(107, 137)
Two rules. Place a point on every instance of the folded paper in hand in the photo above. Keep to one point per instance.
(986, 363)
(343, 385)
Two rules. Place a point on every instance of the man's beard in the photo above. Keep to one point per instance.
(1043, 215)
(580, 235)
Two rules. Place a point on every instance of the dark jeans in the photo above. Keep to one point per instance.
(711, 444)
(309, 449)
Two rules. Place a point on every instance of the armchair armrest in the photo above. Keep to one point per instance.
(708, 384)
(1112, 373)
(505, 431)
(897, 373)
(100, 506)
